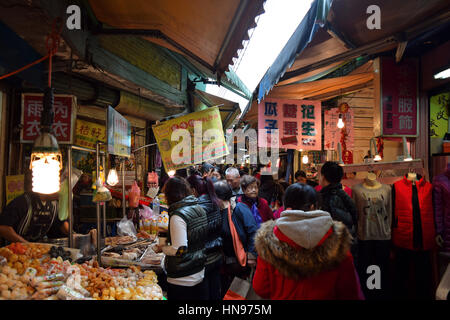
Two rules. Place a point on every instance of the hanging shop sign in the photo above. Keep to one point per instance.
(119, 134)
(439, 115)
(88, 133)
(399, 106)
(333, 134)
(14, 187)
(347, 157)
(64, 108)
(299, 124)
(202, 147)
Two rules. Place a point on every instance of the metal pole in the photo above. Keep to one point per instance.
(69, 194)
(99, 260)
(123, 188)
(104, 203)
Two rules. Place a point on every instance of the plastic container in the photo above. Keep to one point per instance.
(156, 206)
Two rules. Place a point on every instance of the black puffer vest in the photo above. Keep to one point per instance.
(214, 240)
(193, 259)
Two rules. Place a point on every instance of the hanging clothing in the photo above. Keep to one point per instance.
(413, 217)
(374, 212)
(441, 197)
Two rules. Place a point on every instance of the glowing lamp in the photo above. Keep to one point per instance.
(113, 178)
(340, 123)
(46, 164)
(171, 173)
(305, 159)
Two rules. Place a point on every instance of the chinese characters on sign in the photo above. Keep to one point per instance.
(88, 133)
(439, 105)
(298, 122)
(399, 97)
(333, 134)
(119, 134)
(63, 120)
(206, 120)
(14, 187)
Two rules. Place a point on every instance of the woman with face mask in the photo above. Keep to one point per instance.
(259, 206)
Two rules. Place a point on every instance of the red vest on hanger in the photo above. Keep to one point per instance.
(402, 233)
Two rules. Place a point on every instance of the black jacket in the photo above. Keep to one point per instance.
(341, 207)
(194, 258)
(214, 239)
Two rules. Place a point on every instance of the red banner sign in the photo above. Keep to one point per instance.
(299, 123)
(399, 97)
(63, 123)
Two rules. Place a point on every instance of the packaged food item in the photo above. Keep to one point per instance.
(29, 274)
(66, 293)
(52, 277)
(101, 193)
(49, 284)
(44, 293)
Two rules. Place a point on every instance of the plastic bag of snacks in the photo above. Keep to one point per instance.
(101, 193)
(134, 195)
(125, 227)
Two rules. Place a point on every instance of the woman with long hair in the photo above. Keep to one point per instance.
(185, 252)
(203, 189)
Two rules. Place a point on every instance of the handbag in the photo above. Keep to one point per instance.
(239, 250)
(242, 289)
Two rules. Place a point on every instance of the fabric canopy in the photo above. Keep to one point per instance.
(210, 32)
(229, 110)
(313, 89)
(336, 31)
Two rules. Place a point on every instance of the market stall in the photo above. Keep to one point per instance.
(41, 271)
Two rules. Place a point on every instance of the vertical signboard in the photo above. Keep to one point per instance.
(63, 123)
(299, 123)
(119, 134)
(399, 106)
(333, 134)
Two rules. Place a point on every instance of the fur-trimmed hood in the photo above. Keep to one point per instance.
(301, 263)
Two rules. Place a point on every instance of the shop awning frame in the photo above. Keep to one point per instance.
(237, 32)
(322, 17)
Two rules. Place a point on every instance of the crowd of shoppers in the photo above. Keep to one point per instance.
(291, 241)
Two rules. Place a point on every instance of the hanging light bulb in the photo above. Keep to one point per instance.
(46, 164)
(113, 178)
(305, 159)
(171, 173)
(340, 123)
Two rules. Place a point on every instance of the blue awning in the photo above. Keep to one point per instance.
(314, 20)
(336, 32)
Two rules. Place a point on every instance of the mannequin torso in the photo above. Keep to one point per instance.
(371, 182)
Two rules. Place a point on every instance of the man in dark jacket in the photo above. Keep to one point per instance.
(336, 201)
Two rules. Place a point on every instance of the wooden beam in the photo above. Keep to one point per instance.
(88, 48)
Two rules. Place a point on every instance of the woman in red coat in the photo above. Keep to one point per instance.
(305, 255)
